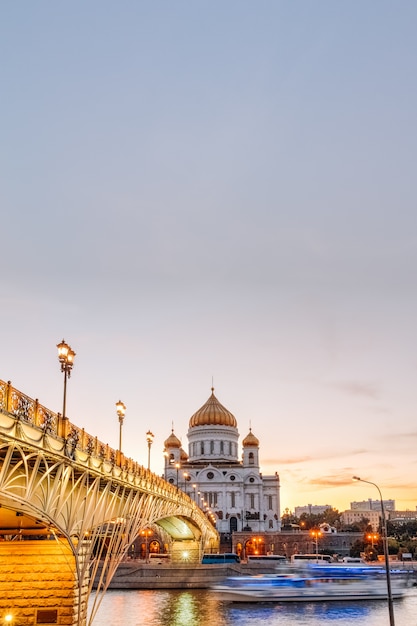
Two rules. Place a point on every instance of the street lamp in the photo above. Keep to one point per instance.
(66, 358)
(177, 467)
(316, 534)
(373, 537)
(149, 439)
(385, 544)
(186, 477)
(146, 533)
(121, 410)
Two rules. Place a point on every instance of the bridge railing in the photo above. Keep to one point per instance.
(30, 411)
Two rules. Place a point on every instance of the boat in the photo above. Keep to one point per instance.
(314, 582)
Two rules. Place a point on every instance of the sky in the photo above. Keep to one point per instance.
(224, 192)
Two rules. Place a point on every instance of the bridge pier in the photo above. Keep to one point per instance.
(39, 584)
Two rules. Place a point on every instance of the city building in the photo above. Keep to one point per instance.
(372, 505)
(311, 509)
(402, 516)
(235, 494)
(356, 516)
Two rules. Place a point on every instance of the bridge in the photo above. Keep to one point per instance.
(70, 508)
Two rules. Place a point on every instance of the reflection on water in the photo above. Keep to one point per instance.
(200, 607)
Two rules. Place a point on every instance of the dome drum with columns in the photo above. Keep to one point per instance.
(234, 490)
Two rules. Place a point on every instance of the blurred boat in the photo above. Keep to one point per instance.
(312, 583)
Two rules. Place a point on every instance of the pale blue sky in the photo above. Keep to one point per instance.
(218, 189)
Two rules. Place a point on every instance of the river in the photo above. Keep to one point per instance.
(201, 608)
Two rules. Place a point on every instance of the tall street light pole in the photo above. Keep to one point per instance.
(121, 410)
(385, 544)
(149, 439)
(66, 358)
(177, 467)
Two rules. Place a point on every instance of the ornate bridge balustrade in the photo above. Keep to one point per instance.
(70, 507)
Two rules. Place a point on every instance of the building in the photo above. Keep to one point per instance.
(372, 505)
(402, 516)
(233, 491)
(311, 509)
(356, 516)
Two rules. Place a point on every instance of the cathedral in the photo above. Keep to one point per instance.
(233, 491)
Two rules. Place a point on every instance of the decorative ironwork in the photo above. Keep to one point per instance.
(90, 447)
(22, 406)
(48, 422)
(3, 396)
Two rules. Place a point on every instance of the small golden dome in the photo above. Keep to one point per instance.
(172, 441)
(212, 413)
(183, 455)
(250, 440)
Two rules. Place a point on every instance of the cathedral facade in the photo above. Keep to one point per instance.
(235, 494)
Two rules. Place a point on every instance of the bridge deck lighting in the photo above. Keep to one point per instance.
(149, 439)
(66, 357)
(121, 410)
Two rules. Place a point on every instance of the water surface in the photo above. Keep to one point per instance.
(200, 607)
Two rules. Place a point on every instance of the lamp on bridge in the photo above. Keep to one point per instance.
(385, 544)
(149, 439)
(66, 358)
(177, 467)
(121, 410)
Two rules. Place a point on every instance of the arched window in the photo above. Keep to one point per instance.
(202, 447)
(251, 458)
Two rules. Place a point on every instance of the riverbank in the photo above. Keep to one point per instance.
(137, 575)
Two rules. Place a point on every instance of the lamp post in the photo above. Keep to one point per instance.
(385, 544)
(66, 358)
(373, 537)
(149, 439)
(185, 482)
(195, 495)
(177, 467)
(316, 534)
(146, 533)
(121, 410)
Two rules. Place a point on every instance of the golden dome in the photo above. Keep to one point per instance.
(212, 413)
(250, 440)
(172, 441)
